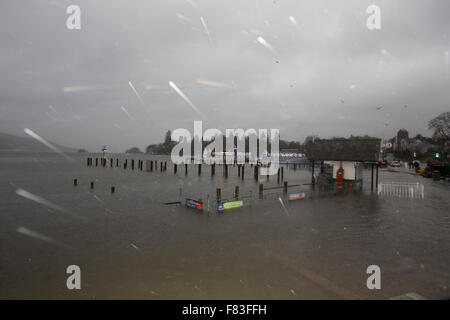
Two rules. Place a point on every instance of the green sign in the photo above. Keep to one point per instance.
(233, 204)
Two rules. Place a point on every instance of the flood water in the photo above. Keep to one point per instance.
(130, 245)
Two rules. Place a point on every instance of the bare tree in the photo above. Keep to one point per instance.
(441, 126)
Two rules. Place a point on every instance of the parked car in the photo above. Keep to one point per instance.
(437, 170)
(382, 164)
(396, 164)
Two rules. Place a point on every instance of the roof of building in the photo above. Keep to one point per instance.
(363, 150)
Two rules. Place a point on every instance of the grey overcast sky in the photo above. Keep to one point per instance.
(325, 73)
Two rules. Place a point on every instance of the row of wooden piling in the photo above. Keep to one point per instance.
(261, 190)
(139, 164)
(152, 165)
(241, 170)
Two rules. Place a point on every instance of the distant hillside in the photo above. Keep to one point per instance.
(11, 143)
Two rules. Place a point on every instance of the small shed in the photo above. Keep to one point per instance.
(353, 153)
(353, 170)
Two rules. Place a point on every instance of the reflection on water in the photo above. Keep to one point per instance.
(131, 245)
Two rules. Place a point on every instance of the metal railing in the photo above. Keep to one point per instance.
(401, 190)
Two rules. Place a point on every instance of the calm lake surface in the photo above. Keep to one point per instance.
(130, 245)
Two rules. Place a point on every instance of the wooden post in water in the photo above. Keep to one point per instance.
(239, 170)
(242, 171)
(156, 165)
(285, 187)
(117, 162)
(213, 169)
(175, 168)
(218, 194)
(96, 162)
(278, 175)
(313, 181)
(282, 173)
(75, 182)
(113, 189)
(165, 166)
(261, 190)
(255, 172)
(125, 164)
(92, 184)
(376, 179)
(111, 162)
(132, 164)
(225, 170)
(371, 180)
(185, 169)
(236, 192)
(199, 169)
